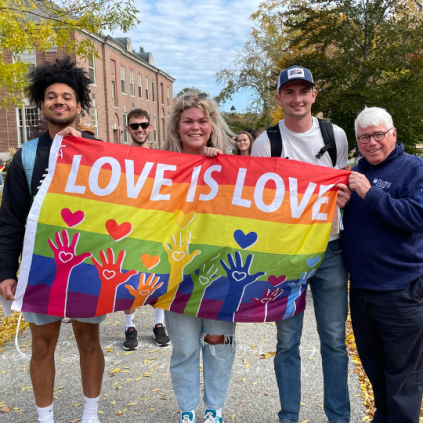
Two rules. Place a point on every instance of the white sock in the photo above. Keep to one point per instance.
(130, 320)
(90, 408)
(159, 313)
(218, 412)
(45, 414)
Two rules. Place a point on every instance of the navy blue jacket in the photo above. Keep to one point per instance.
(383, 234)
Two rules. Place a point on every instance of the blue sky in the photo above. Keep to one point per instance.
(192, 40)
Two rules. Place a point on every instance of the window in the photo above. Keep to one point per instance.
(139, 86)
(168, 97)
(155, 128)
(125, 123)
(153, 91)
(162, 129)
(122, 79)
(91, 68)
(147, 97)
(113, 94)
(162, 93)
(94, 120)
(131, 83)
(28, 57)
(32, 122)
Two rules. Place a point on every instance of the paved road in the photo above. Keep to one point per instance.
(142, 392)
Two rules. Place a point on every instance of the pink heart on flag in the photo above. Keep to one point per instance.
(72, 219)
(276, 281)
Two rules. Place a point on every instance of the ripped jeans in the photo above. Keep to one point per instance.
(187, 336)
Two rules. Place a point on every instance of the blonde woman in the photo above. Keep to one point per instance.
(197, 127)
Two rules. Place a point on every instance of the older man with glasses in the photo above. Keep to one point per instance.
(383, 250)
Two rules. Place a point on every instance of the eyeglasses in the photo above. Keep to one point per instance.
(198, 95)
(377, 136)
(144, 125)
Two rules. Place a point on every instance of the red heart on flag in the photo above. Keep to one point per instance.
(72, 219)
(276, 281)
(116, 231)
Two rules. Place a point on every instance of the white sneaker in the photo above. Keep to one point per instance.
(91, 421)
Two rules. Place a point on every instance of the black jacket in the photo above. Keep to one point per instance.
(16, 204)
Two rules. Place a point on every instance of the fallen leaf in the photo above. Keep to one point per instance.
(233, 417)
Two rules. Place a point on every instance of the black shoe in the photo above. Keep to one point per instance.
(160, 335)
(131, 339)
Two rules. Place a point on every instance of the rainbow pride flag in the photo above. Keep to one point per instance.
(231, 238)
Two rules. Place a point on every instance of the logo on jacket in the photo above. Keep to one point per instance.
(381, 184)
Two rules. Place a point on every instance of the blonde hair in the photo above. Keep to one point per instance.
(220, 132)
(236, 151)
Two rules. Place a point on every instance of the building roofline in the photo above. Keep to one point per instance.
(109, 40)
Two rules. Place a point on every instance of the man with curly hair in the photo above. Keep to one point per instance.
(61, 91)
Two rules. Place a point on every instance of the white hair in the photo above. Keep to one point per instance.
(372, 116)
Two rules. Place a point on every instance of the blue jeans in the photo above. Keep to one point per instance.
(187, 336)
(330, 298)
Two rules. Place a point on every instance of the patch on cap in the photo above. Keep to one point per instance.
(87, 124)
(295, 73)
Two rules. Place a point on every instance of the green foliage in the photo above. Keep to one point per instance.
(27, 25)
(187, 89)
(240, 122)
(361, 54)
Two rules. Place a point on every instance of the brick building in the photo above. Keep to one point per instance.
(121, 81)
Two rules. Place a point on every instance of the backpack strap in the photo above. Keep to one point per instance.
(326, 128)
(275, 138)
(29, 151)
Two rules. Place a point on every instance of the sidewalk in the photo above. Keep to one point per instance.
(137, 385)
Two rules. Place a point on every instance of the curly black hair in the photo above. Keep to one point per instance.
(64, 71)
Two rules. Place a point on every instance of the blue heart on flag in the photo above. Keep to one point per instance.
(245, 241)
(311, 262)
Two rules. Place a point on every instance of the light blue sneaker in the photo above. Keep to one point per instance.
(187, 417)
(210, 417)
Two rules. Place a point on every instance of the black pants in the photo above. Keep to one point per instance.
(388, 328)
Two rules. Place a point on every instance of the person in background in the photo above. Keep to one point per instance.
(244, 144)
(87, 128)
(255, 133)
(138, 128)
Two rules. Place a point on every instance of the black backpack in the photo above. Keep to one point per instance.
(326, 128)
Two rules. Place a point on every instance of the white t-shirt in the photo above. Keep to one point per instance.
(305, 146)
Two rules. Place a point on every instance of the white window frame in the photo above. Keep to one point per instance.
(168, 97)
(131, 83)
(94, 119)
(139, 86)
(122, 80)
(153, 90)
(155, 128)
(114, 103)
(124, 124)
(147, 93)
(91, 68)
(36, 120)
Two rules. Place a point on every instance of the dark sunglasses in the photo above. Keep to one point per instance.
(144, 125)
(199, 95)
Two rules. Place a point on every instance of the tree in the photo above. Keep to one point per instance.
(186, 90)
(253, 67)
(361, 53)
(39, 25)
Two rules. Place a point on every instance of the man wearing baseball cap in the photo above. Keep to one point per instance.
(300, 136)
